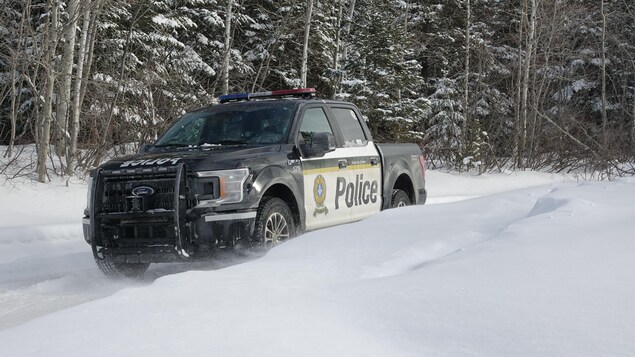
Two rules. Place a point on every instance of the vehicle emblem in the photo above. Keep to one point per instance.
(143, 191)
(319, 195)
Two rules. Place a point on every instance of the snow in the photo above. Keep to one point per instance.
(167, 22)
(577, 86)
(517, 264)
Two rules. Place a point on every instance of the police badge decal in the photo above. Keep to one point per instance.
(319, 194)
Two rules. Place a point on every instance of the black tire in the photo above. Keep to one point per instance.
(121, 270)
(274, 224)
(117, 270)
(399, 199)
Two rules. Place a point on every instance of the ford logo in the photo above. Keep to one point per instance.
(143, 191)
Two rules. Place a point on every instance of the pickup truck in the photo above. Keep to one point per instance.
(251, 171)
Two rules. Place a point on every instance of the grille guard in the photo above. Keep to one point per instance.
(176, 246)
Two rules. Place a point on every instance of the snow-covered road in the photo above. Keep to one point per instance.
(55, 270)
(45, 264)
(536, 271)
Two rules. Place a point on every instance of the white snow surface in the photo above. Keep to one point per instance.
(524, 264)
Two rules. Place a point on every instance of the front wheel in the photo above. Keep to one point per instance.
(399, 199)
(274, 224)
(119, 270)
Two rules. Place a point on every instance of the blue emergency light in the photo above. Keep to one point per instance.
(301, 92)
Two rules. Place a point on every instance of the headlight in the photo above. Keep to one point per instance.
(89, 193)
(231, 183)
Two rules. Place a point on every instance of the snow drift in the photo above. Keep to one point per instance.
(540, 271)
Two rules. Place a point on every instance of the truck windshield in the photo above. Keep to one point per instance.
(238, 125)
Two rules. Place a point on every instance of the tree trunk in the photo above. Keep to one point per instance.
(14, 123)
(66, 80)
(466, 90)
(525, 86)
(92, 34)
(14, 78)
(44, 127)
(407, 12)
(76, 107)
(338, 44)
(120, 86)
(14, 95)
(519, 81)
(633, 125)
(347, 32)
(305, 47)
(540, 93)
(228, 22)
(260, 68)
(605, 138)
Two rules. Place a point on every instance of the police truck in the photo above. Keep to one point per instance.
(251, 171)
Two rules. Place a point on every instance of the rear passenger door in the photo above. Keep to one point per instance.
(358, 188)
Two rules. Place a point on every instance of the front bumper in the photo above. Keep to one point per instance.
(423, 196)
(164, 226)
(131, 240)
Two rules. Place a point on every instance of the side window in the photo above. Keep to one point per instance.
(350, 126)
(313, 121)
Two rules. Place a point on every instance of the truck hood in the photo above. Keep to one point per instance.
(198, 159)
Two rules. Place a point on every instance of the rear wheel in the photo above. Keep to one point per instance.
(274, 224)
(399, 199)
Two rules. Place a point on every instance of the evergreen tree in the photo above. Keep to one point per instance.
(555, 88)
(381, 74)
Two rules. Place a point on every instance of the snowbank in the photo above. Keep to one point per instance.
(540, 271)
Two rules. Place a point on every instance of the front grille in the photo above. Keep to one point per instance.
(118, 197)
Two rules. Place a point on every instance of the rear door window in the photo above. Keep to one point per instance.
(350, 126)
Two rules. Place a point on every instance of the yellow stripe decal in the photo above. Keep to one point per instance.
(360, 167)
(322, 170)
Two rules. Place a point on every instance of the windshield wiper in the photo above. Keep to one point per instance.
(227, 142)
(172, 145)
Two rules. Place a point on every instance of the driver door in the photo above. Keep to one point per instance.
(320, 173)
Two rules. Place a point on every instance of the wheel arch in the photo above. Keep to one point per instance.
(404, 182)
(276, 181)
(284, 193)
(399, 178)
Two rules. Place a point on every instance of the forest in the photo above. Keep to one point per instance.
(480, 84)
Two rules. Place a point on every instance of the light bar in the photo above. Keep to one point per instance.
(301, 92)
(235, 96)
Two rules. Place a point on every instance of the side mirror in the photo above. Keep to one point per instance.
(321, 143)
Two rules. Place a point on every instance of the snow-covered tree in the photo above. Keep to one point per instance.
(532, 82)
(380, 71)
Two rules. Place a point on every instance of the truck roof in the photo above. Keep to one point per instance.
(300, 94)
(295, 101)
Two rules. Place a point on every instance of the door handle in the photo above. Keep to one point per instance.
(374, 161)
(342, 164)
